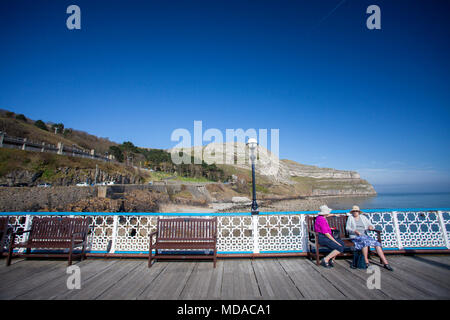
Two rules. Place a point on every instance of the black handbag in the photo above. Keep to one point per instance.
(336, 234)
(358, 260)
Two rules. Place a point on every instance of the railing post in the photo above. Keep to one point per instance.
(114, 234)
(397, 229)
(60, 148)
(443, 229)
(255, 233)
(304, 228)
(26, 227)
(2, 136)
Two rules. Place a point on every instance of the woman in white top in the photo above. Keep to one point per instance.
(357, 225)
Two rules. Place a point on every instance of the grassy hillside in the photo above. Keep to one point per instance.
(49, 164)
(51, 168)
(26, 128)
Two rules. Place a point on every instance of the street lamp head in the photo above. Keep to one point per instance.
(252, 143)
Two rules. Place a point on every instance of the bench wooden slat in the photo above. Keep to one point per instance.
(184, 233)
(54, 233)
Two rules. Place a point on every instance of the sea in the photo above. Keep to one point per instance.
(395, 200)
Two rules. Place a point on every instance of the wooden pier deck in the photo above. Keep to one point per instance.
(415, 277)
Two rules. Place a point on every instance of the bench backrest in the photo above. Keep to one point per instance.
(45, 229)
(187, 229)
(337, 223)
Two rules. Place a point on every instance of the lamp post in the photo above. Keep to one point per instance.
(252, 144)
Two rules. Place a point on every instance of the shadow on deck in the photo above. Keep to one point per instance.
(415, 277)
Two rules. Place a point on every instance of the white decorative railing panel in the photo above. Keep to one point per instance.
(274, 232)
(235, 234)
(420, 229)
(384, 221)
(282, 232)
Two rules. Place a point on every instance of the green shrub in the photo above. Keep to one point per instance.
(117, 153)
(59, 127)
(21, 117)
(41, 125)
(67, 132)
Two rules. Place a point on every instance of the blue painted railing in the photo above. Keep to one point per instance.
(212, 214)
(268, 232)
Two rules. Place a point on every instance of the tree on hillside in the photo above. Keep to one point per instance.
(128, 146)
(21, 117)
(116, 152)
(9, 114)
(59, 128)
(67, 132)
(41, 125)
(156, 156)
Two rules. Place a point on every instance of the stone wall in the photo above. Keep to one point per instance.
(37, 198)
(65, 176)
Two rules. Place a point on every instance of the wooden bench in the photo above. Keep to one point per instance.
(184, 233)
(337, 225)
(53, 233)
(5, 229)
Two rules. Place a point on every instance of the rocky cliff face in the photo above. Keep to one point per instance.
(314, 181)
(65, 176)
(300, 170)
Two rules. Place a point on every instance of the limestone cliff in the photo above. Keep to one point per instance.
(297, 179)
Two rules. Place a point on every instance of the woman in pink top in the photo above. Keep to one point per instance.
(326, 238)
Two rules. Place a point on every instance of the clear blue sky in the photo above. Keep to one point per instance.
(342, 96)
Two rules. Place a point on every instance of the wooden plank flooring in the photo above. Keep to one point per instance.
(415, 277)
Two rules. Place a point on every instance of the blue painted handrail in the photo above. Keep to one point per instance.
(207, 214)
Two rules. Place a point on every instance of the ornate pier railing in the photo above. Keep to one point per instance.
(269, 233)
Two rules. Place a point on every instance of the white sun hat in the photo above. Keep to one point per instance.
(324, 210)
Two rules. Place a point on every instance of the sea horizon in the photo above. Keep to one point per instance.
(393, 200)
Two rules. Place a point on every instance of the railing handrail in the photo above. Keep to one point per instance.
(271, 232)
(213, 213)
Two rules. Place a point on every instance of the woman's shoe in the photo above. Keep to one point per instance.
(331, 263)
(324, 264)
(387, 266)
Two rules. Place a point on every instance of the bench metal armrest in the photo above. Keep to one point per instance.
(316, 237)
(378, 232)
(153, 234)
(13, 237)
(20, 232)
(150, 244)
(83, 234)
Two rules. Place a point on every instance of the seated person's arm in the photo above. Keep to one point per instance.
(350, 230)
(329, 236)
(370, 227)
